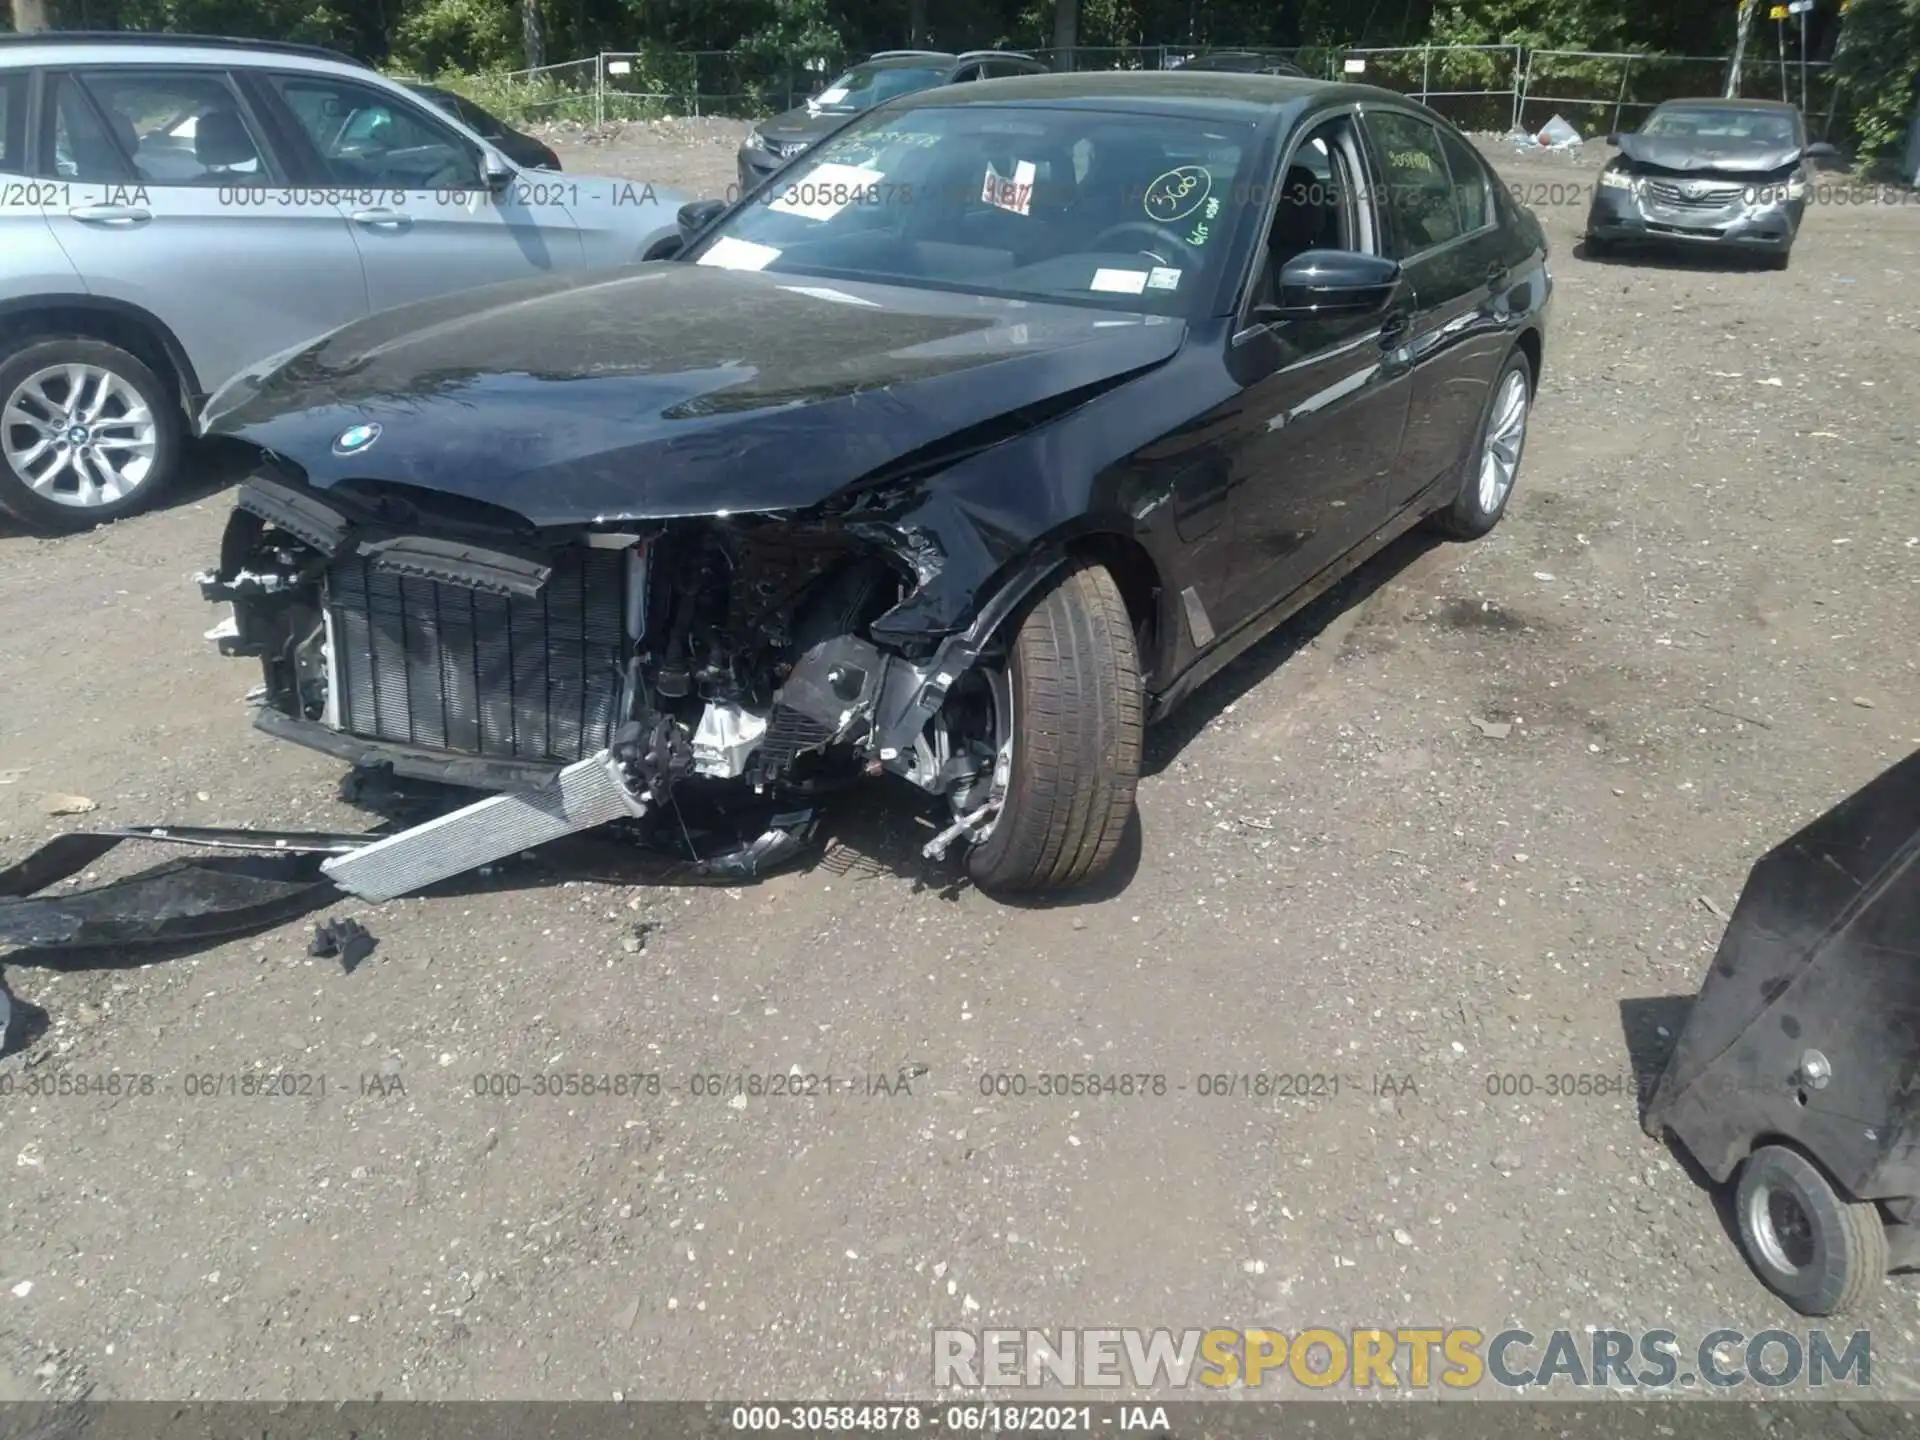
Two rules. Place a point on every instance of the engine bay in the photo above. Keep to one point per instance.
(709, 649)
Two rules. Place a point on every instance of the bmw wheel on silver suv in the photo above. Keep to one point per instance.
(175, 210)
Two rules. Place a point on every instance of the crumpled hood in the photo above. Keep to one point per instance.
(669, 388)
(1689, 154)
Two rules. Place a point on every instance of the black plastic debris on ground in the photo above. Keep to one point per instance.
(348, 940)
(181, 901)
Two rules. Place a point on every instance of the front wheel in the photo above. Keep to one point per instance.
(1070, 721)
(1490, 467)
(88, 433)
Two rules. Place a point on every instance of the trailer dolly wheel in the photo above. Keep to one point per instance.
(1818, 1251)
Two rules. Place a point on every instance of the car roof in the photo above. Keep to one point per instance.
(1712, 102)
(1265, 57)
(890, 59)
(896, 59)
(122, 46)
(1222, 93)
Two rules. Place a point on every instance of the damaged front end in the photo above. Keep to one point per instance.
(587, 673)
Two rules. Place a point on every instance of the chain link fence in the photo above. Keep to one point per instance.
(1475, 86)
(1600, 93)
(1478, 87)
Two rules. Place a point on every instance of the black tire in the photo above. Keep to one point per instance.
(1467, 518)
(1078, 726)
(18, 499)
(1842, 1257)
(1594, 248)
(1780, 259)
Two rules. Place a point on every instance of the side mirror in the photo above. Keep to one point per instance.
(1320, 283)
(1821, 150)
(495, 173)
(696, 215)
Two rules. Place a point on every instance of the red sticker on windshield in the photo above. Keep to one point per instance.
(1015, 195)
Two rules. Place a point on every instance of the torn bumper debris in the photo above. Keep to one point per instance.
(260, 880)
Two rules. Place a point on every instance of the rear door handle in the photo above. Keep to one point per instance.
(1497, 273)
(111, 214)
(381, 219)
(1394, 326)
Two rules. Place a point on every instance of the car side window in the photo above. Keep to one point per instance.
(478, 120)
(1416, 187)
(173, 127)
(1316, 204)
(1470, 190)
(13, 123)
(82, 149)
(366, 137)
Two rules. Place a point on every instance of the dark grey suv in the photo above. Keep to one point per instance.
(881, 77)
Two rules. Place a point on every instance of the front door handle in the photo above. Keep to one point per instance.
(382, 219)
(111, 214)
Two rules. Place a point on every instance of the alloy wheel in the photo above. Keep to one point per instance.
(79, 435)
(1506, 431)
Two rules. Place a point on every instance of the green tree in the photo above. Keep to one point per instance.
(1877, 59)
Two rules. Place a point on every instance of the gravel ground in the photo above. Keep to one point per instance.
(1694, 632)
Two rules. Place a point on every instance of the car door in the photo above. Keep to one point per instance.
(171, 199)
(35, 265)
(1441, 225)
(1324, 400)
(410, 186)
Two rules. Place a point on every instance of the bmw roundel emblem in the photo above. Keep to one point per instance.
(355, 439)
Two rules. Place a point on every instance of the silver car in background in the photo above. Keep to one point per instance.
(174, 209)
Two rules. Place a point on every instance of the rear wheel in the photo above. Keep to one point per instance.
(1490, 467)
(88, 433)
(1069, 721)
(1817, 1250)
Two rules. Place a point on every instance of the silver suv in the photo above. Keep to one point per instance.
(176, 208)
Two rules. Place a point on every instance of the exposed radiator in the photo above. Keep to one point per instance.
(448, 668)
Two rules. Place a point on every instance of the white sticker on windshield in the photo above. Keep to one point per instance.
(731, 254)
(1120, 282)
(1015, 194)
(1163, 277)
(831, 96)
(825, 190)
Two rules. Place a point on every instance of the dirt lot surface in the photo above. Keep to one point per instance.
(1697, 626)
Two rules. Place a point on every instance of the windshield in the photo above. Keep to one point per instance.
(1128, 212)
(865, 86)
(1755, 129)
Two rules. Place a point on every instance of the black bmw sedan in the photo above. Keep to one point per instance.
(961, 454)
